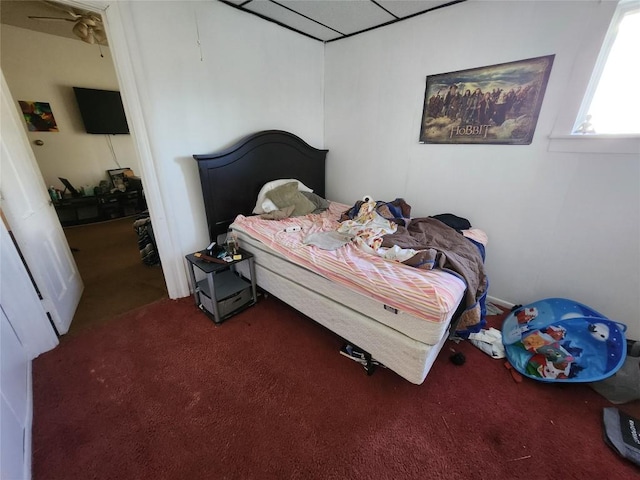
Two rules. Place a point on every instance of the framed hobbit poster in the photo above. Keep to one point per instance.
(498, 104)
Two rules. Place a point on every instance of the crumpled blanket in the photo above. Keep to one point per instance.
(367, 227)
(440, 246)
(398, 211)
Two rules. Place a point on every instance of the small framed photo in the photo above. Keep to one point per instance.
(120, 177)
(38, 116)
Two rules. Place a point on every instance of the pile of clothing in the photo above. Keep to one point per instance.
(387, 229)
(146, 239)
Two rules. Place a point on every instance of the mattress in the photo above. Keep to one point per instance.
(407, 357)
(417, 303)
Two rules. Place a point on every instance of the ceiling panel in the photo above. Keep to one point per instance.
(347, 17)
(292, 20)
(330, 20)
(406, 8)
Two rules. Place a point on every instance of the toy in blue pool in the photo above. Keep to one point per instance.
(559, 340)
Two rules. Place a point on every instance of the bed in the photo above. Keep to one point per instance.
(404, 332)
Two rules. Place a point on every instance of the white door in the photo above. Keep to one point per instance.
(20, 301)
(33, 220)
(14, 403)
(25, 332)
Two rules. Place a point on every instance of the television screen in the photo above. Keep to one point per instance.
(101, 110)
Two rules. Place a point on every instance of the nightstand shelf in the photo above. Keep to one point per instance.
(219, 290)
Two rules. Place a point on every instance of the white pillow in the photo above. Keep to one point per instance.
(263, 201)
(268, 206)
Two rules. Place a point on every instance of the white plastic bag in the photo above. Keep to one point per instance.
(489, 341)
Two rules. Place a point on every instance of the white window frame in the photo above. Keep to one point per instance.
(624, 7)
(588, 68)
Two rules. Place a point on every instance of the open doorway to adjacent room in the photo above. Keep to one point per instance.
(47, 49)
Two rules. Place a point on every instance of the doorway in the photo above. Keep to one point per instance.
(115, 278)
(89, 248)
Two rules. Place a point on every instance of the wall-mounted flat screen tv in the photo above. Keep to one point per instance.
(101, 110)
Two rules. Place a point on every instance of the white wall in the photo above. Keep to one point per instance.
(559, 224)
(247, 75)
(44, 68)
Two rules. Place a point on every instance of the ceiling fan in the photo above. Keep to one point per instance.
(87, 26)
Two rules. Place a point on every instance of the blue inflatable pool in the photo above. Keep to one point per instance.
(559, 340)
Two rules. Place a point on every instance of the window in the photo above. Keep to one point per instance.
(612, 105)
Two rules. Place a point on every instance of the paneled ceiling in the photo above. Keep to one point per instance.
(322, 20)
(330, 20)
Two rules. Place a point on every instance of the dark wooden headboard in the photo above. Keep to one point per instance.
(232, 178)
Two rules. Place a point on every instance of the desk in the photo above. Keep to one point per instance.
(89, 209)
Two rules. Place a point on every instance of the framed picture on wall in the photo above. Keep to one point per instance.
(120, 177)
(38, 116)
(497, 104)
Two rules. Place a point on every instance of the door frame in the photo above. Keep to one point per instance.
(124, 53)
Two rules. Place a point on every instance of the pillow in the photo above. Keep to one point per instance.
(270, 186)
(320, 203)
(287, 195)
(278, 214)
(268, 206)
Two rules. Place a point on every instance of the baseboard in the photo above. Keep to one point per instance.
(500, 303)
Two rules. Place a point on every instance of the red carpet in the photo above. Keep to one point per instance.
(162, 393)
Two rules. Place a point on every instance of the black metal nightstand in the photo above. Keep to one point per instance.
(219, 290)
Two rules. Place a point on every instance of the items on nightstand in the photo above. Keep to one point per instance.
(208, 258)
(231, 245)
(218, 288)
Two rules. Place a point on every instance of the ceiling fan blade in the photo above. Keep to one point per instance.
(88, 21)
(81, 30)
(50, 18)
(74, 12)
(100, 36)
(89, 34)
